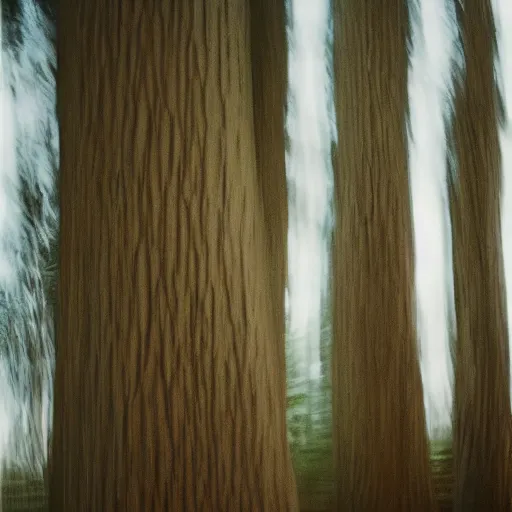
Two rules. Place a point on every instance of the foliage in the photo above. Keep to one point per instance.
(309, 423)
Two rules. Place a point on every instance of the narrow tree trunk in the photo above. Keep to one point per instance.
(379, 430)
(270, 75)
(270, 82)
(169, 393)
(482, 421)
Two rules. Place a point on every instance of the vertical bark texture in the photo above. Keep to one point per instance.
(168, 391)
(269, 61)
(379, 430)
(269, 78)
(482, 422)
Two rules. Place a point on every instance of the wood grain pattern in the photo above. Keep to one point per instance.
(270, 82)
(482, 417)
(269, 58)
(168, 391)
(379, 431)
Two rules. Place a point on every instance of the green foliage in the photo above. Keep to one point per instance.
(296, 400)
(310, 423)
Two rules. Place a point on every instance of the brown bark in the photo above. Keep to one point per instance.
(270, 80)
(379, 430)
(482, 421)
(269, 60)
(168, 391)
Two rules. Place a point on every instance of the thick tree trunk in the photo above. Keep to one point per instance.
(482, 421)
(379, 430)
(169, 393)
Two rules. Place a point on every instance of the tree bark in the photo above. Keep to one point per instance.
(482, 416)
(270, 81)
(379, 430)
(169, 391)
(269, 60)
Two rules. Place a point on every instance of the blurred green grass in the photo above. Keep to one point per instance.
(23, 493)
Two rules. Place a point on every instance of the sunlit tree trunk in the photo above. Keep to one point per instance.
(379, 430)
(169, 391)
(482, 422)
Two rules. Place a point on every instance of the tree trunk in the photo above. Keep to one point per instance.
(270, 80)
(482, 416)
(169, 391)
(379, 430)
(269, 60)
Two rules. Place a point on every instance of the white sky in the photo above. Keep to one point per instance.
(9, 211)
(8, 223)
(429, 83)
(309, 179)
